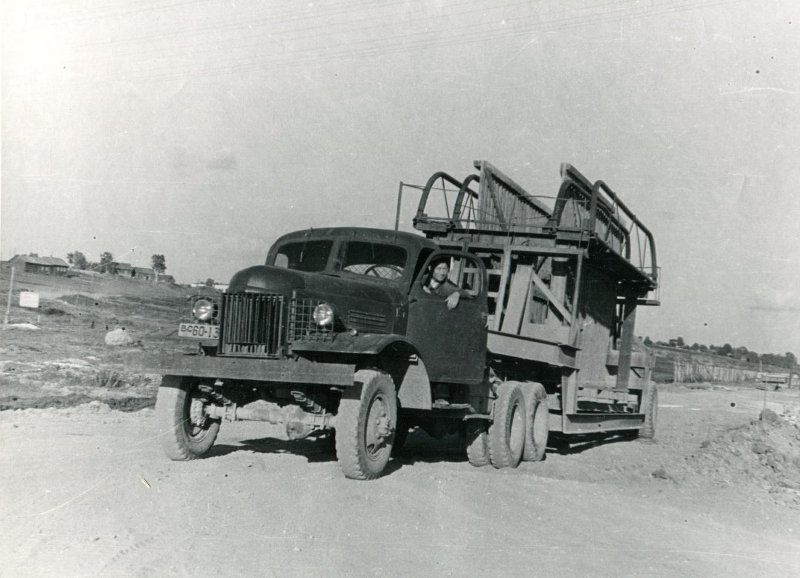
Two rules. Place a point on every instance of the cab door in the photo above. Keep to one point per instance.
(451, 342)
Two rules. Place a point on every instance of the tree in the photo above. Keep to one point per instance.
(648, 341)
(209, 282)
(677, 342)
(77, 260)
(159, 264)
(107, 264)
(725, 349)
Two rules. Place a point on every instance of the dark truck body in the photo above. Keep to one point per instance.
(337, 331)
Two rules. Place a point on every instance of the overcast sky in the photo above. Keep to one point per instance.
(203, 130)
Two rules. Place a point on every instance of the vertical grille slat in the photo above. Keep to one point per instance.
(253, 325)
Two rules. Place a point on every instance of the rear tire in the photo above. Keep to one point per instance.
(537, 421)
(186, 432)
(507, 432)
(365, 425)
(650, 411)
(477, 442)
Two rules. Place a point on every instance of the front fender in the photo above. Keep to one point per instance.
(394, 353)
(361, 344)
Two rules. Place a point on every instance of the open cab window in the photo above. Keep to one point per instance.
(463, 271)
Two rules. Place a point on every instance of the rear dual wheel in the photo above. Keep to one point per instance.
(650, 411)
(506, 436)
(477, 441)
(537, 421)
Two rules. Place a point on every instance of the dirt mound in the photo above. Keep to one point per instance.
(80, 300)
(125, 404)
(765, 451)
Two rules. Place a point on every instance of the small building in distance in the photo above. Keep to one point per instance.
(32, 264)
(143, 274)
(124, 269)
(164, 278)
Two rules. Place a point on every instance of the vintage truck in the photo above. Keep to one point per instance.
(338, 335)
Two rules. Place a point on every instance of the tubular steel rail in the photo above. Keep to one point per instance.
(584, 214)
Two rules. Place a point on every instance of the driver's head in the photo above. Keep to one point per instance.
(440, 271)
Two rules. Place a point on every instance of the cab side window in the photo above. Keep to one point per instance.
(463, 272)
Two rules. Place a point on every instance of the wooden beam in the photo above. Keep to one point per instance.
(554, 301)
(519, 290)
(498, 312)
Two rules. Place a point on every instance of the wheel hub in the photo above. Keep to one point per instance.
(196, 414)
(379, 427)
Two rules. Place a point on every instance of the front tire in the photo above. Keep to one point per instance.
(507, 432)
(365, 425)
(187, 433)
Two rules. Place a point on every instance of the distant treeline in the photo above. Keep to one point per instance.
(787, 360)
(107, 264)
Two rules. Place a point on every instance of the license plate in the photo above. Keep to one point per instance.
(198, 330)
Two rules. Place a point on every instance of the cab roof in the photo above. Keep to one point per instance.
(411, 241)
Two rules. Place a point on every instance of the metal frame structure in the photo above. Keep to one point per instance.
(565, 285)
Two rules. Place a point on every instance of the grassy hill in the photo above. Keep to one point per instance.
(56, 354)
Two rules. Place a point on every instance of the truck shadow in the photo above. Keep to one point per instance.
(314, 450)
(587, 442)
(419, 447)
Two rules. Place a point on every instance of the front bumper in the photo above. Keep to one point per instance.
(269, 370)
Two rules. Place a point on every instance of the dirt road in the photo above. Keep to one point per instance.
(87, 492)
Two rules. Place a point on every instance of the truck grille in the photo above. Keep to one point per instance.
(252, 324)
(301, 322)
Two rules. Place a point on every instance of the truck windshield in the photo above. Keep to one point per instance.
(311, 256)
(374, 260)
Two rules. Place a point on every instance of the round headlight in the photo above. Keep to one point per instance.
(323, 315)
(203, 309)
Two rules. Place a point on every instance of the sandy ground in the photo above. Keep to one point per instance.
(86, 491)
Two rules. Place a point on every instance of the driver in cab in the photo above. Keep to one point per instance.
(438, 283)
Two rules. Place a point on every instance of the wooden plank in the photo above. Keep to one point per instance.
(498, 313)
(520, 287)
(532, 349)
(598, 422)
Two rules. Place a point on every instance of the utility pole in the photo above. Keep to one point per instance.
(10, 289)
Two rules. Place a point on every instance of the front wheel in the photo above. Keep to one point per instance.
(365, 425)
(186, 432)
(507, 432)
